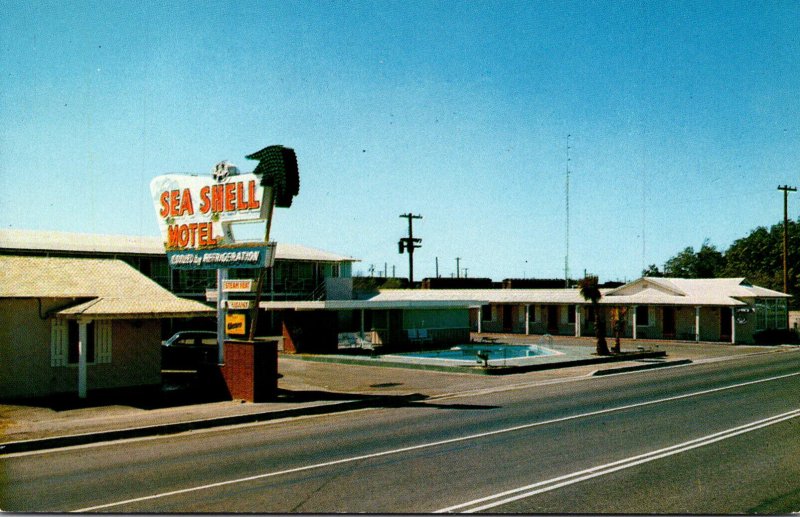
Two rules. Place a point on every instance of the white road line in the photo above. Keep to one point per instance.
(429, 444)
(601, 470)
(592, 377)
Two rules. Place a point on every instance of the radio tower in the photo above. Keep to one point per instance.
(566, 256)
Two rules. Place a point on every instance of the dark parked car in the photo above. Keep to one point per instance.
(188, 350)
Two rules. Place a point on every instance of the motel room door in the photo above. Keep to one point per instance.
(508, 321)
(552, 319)
(669, 322)
(725, 323)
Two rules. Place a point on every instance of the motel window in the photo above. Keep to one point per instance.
(380, 320)
(486, 312)
(570, 314)
(64, 342)
(532, 313)
(770, 314)
(642, 316)
(195, 281)
(160, 272)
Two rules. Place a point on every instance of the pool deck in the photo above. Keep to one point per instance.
(568, 353)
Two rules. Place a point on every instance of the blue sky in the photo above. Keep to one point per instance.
(683, 119)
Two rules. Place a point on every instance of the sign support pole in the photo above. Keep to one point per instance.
(260, 283)
(222, 275)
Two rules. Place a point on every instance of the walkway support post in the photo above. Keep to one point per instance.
(635, 321)
(577, 320)
(697, 323)
(527, 319)
(83, 337)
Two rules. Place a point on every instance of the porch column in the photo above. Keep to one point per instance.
(697, 323)
(527, 319)
(635, 322)
(82, 351)
(362, 323)
(733, 326)
(577, 320)
(480, 317)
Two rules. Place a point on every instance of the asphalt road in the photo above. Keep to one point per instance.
(714, 438)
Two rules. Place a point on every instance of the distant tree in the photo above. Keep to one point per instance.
(759, 258)
(706, 263)
(681, 265)
(710, 262)
(652, 271)
(590, 291)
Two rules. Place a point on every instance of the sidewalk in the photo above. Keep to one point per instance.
(306, 388)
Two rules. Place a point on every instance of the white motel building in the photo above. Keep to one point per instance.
(121, 292)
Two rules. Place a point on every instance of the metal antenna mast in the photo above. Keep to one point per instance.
(566, 256)
(644, 218)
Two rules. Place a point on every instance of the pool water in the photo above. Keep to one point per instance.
(469, 353)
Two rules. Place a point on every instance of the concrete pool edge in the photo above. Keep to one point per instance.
(481, 370)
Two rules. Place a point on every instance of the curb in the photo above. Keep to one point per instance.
(192, 425)
(627, 356)
(649, 366)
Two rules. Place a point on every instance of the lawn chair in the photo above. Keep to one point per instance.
(423, 337)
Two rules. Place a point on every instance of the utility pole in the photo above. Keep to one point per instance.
(458, 267)
(410, 244)
(786, 189)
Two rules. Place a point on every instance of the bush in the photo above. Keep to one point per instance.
(776, 337)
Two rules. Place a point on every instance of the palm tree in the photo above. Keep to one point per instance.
(590, 291)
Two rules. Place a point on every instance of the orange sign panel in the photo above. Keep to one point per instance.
(235, 324)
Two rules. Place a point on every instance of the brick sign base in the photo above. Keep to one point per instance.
(250, 371)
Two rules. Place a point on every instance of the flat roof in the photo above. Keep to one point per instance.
(484, 296)
(333, 305)
(42, 241)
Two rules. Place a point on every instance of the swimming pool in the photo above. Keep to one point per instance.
(492, 352)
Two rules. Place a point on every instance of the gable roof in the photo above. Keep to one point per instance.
(689, 291)
(728, 292)
(659, 284)
(101, 287)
